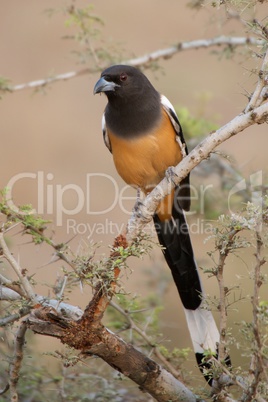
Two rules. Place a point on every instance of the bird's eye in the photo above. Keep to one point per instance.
(123, 77)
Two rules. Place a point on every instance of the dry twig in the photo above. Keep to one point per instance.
(147, 59)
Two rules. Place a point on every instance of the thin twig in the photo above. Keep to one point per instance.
(146, 59)
(222, 306)
(4, 280)
(61, 290)
(256, 363)
(61, 391)
(59, 248)
(258, 281)
(195, 44)
(8, 284)
(50, 80)
(14, 317)
(144, 335)
(222, 296)
(256, 98)
(29, 292)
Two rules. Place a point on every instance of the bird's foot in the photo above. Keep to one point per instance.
(171, 174)
(140, 209)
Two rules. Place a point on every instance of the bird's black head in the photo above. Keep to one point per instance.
(133, 103)
(122, 81)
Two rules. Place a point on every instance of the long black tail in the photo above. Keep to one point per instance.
(174, 236)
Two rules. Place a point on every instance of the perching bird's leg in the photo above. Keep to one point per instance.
(138, 194)
(170, 174)
(138, 204)
(139, 208)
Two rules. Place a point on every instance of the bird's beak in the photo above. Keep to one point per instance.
(104, 86)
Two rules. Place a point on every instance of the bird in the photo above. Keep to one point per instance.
(142, 131)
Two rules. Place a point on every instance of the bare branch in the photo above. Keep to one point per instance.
(29, 292)
(257, 364)
(67, 310)
(195, 44)
(256, 98)
(50, 80)
(99, 341)
(222, 309)
(7, 283)
(143, 334)
(16, 361)
(14, 317)
(147, 59)
(4, 280)
(200, 152)
(223, 291)
(8, 294)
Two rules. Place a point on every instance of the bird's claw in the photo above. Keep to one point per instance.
(140, 209)
(138, 206)
(170, 174)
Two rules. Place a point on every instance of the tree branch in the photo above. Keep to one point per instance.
(202, 151)
(16, 361)
(8, 294)
(29, 292)
(67, 310)
(195, 44)
(223, 254)
(143, 334)
(88, 335)
(7, 283)
(10, 319)
(96, 340)
(257, 364)
(257, 97)
(145, 60)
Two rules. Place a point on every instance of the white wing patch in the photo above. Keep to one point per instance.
(175, 122)
(104, 132)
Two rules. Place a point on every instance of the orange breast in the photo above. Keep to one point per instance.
(142, 162)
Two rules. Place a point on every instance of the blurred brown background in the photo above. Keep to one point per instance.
(59, 132)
